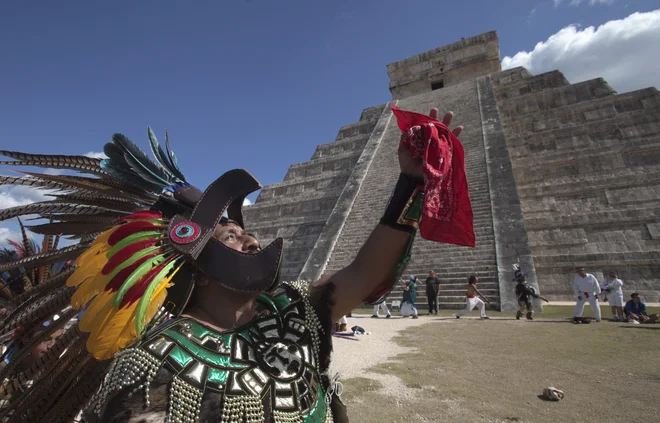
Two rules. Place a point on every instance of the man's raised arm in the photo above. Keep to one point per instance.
(384, 255)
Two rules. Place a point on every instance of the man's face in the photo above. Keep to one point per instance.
(233, 236)
(431, 273)
(635, 299)
(580, 271)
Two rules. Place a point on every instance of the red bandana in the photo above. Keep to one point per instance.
(446, 212)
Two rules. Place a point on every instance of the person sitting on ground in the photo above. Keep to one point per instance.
(612, 287)
(636, 310)
(472, 299)
(409, 297)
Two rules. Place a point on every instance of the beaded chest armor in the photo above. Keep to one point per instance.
(269, 367)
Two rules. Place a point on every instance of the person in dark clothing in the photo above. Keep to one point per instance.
(432, 290)
(524, 294)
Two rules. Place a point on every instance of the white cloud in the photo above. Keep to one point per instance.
(575, 3)
(247, 202)
(14, 196)
(7, 234)
(96, 155)
(623, 52)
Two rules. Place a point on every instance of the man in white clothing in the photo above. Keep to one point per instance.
(586, 288)
(612, 286)
(382, 306)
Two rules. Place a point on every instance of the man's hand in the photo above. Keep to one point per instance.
(413, 167)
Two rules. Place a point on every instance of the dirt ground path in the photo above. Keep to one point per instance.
(354, 355)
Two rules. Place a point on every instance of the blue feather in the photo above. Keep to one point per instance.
(175, 166)
(140, 163)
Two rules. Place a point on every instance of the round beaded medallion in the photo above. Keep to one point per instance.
(185, 232)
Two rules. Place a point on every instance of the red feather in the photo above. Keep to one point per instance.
(131, 228)
(19, 248)
(136, 291)
(116, 282)
(144, 214)
(125, 253)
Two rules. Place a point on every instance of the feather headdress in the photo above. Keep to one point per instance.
(142, 231)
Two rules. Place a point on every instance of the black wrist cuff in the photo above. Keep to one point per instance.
(405, 206)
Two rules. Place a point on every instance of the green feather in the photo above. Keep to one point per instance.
(140, 236)
(143, 305)
(137, 275)
(135, 257)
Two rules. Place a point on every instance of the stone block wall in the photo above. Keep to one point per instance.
(586, 163)
(297, 209)
(452, 64)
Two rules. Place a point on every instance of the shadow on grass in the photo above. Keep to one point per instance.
(641, 327)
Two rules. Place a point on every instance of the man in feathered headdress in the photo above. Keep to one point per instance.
(184, 318)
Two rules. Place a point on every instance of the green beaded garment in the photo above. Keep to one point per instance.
(269, 370)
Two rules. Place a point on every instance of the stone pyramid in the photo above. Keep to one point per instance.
(560, 175)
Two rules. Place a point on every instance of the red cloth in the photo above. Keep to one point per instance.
(446, 213)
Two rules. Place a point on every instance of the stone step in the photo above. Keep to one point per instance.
(422, 307)
(355, 129)
(454, 295)
(330, 175)
(355, 143)
(598, 112)
(312, 195)
(284, 221)
(594, 260)
(372, 113)
(511, 76)
(601, 158)
(591, 218)
(612, 147)
(532, 84)
(342, 161)
(539, 101)
(606, 178)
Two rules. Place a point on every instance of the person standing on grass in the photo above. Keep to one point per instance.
(525, 293)
(586, 288)
(432, 288)
(409, 297)
(614, 294)
(472, 299)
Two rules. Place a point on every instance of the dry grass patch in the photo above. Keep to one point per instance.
(492, 371)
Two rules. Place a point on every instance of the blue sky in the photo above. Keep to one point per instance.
(253, 83)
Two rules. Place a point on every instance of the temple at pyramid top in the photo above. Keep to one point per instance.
(444, 66)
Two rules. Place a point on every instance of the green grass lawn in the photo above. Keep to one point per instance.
(471, 370)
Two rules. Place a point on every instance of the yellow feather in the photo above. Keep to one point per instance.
(100, 243)
(105, 236)
(88, 269)
(128, 335)
(97, 312)
(88, 290)
(106, 340)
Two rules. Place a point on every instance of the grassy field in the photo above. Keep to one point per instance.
(470, 370)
